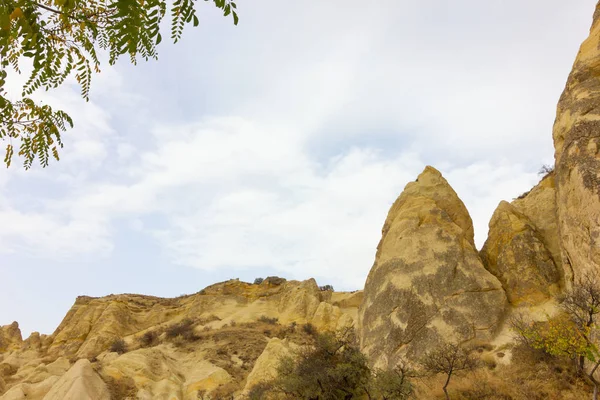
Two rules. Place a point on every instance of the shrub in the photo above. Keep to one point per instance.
(546, 169)
(309, 329)
(118, 346)
(267, 320)
(259, 391)
(394, 384)
(326, 288)
(120, 389)
(258, 281)
(448, 359)
(292, 326)
(332, 368)
(183, 329)
(275, 280)
(148, 339)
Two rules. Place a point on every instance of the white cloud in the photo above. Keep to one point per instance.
(285, 151)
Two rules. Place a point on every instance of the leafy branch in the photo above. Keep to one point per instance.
(61, 38)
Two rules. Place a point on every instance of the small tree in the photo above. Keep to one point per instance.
(573, 334)
(326, 288)
(392, 384)
(546, 169)
(582, 304)
(448, 358)
(258, 281)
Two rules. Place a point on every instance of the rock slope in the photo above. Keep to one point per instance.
(427, 284)
(190, 347)
(577, 159)
(515, 253)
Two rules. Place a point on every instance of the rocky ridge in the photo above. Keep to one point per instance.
(205, 344)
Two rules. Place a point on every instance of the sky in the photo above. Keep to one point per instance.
(276, 147)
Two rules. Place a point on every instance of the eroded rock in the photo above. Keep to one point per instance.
(577, 159)
(80, 382)
(428, 283)
(10, 337)
(515, 253)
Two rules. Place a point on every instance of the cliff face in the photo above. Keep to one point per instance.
(522, 246)
(428, 284)
(577, 156)
(181, 348)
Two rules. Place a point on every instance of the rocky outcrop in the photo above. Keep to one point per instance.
(80, 382)
(428, 283)
(10, 337)
(515, 253)
(93, 324)
(539, 205)
(30, 391)
(232, 323)
(165, 372)
(576, 137)
(265, 368)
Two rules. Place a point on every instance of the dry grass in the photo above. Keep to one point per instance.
(527, 378)
(121, 389)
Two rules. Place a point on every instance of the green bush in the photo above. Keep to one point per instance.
(331, 368)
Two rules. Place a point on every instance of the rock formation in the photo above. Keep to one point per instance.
(80, 382)
(539, 205)
(266, 365)
(10, 337)
(577, 159)
(515, 253)
(230, 324)
(428, 283)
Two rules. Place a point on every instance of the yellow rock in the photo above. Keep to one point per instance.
(515, 253)
(80, 382)
(539, 205)
(30, 391)
(10, 337)
(428, 283)
(165, 371)
(265, 368)
(577, 160)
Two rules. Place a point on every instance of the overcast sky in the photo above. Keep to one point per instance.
(277, 147)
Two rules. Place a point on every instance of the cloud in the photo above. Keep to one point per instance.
(285, 151)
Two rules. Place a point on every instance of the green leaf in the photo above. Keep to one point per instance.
(235, 18)
(196, 22)
(158, 38)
